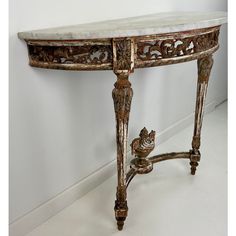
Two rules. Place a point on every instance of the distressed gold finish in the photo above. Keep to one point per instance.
(123, 55)
(204, 69)
(148, 51)
(70, 55)
(170, 156)
(141, 147)
(176, 47)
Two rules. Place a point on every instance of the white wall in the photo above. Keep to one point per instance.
(62, 124)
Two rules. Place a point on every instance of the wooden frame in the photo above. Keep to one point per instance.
(123, 55)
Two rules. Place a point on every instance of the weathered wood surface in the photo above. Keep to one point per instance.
(123, 55)
(149, 51)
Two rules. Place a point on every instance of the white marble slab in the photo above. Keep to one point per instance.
(134, 26)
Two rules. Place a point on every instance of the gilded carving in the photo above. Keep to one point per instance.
(122, 102)
(161, 48)
(143, 145)
(124, 54)
(204, 69)
(122, 95)
(87, 54)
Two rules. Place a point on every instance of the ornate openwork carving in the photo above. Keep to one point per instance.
(85, 54)
(174, 46)
(124, 54)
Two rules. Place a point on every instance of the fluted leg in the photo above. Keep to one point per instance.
(123, 64)
(122, 96)
(204, 69)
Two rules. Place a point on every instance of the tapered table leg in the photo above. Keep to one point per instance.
(204, 69)
(123, 64)
(122, 96)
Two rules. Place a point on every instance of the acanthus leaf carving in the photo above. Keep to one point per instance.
(86, 54)
(161, 48)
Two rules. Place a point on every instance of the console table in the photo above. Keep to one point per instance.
(123, 45)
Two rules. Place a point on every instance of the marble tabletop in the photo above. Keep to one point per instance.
(158, 23)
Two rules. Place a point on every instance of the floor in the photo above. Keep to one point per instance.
(166, 202)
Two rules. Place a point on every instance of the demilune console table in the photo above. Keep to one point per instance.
(123, 45)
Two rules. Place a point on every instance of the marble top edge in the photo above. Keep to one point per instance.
(159, 23)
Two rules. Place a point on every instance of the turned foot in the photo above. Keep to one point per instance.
(120, 222)
(194, 159)
(193, 167)
(121, 212)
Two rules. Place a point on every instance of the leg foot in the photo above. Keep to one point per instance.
(121, 212)
(193, 167)
(120, 223)
(195, 157)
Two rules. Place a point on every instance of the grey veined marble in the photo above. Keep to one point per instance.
(133, 26)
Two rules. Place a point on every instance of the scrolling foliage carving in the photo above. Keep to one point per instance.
(176, 46)
(86, 54)
(124, 54)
